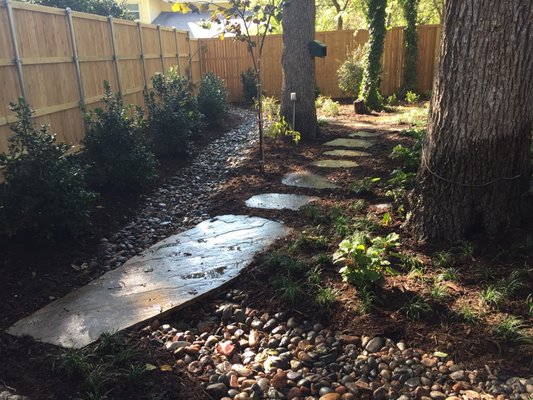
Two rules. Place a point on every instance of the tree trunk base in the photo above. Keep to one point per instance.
(360, 107)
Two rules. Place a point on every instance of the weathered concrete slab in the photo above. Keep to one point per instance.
(364, 134)
(346, 153)
(328, 163)
(279, 201)
(167, 276)
(307, 180)
(351, 143)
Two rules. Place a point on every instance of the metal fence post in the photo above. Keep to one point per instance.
(115, 58)
(75, 57)
(143, 60)
(16, 61)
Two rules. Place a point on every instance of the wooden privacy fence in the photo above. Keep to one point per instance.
(58, 61)
(228, 59)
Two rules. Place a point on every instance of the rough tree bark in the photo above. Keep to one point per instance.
(299, 67)
(475, 162)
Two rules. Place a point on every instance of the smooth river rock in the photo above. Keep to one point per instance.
(279, 201)
(167, 276)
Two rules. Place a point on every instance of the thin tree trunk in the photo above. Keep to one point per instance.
(475, 162)
(299, 67)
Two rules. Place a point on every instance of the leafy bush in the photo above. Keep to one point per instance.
(212, 98)
(249, 85)
(328, 106)
(411, 97)
(173, 114)
(44, 191)
(392, 100)
(350, 73)
(276, 126)
(364, 259)
(116, 149)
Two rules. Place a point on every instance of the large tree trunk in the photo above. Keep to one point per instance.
(299, 67)
(475, 162)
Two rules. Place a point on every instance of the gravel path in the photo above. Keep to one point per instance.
(182, 202)
(239, 352)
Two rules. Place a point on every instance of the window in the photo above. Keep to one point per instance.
(133, 10)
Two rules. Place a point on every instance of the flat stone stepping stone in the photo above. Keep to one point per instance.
(167, 276)
(351, 143)
(335, 163)
(364, 134)
(307, 180)
(279, 201)
(346, 153)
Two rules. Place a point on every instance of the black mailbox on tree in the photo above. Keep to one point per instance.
(318, 49)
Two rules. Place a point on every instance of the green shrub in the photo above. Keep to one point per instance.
(173, 114)
(212, 98)
(249, 85)
(392, 100)
(328, 106)
(411, 97)
(44, 190)
(350, 73)
(116, 149)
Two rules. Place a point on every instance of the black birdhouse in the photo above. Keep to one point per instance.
(318, 49)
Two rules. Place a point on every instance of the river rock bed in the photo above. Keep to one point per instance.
(240, 352)
(182, 202)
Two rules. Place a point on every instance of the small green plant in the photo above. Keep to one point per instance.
(282, 262)
(438, 292)
(416, 308)
(412, 97)
(342, 225)
(136, 373)
(411, 262)
(465, 251)
(173, 114)
(367, 223)
(212, 98)
(326, 297)
(365, 185)
(281, 128)
(314, 213)
(306, 241)
(364, 259)
(387, 219)
(350, 73)
(288, 289)
(358, 206)
(321, 259)
(443, 259)
(529, 305)
(116, 151)
(44, 190)
(512, 283)
(96, 381)
(512, 329)
(314, 276)
(391, 100)
(492, 296)
(249, 85)
(468, 315)
(366, 300)
(328, 106)
(448, 274)
(400, 178)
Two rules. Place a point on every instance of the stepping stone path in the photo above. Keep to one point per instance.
(349, 142)
(165, 277)
(328, 163)
(279, 201)
(307, 180)
(346, 153)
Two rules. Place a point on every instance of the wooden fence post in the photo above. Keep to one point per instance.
(143, 60)
(177, 51)
(161, 50)
(115, 58)
(75, 57)
(14, 41)
(190, 56)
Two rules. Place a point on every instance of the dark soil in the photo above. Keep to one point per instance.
(35, 273)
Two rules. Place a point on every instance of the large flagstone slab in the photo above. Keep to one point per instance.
(346, 153)
(307, 180)
(350, 143)
(330, 163)
(165, 277)
(279, 201)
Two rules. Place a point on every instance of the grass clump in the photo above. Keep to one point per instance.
(416, 308)
(512, 329)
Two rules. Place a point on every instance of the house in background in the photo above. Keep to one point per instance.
(159, 12)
